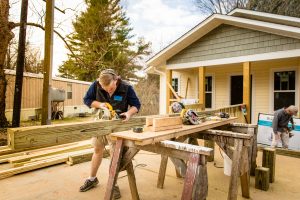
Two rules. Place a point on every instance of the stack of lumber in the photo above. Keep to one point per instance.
(72, 153)
(163, 123)
(35, 147)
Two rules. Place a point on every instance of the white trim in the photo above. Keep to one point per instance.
(213, 97)
(40, 76)
(214, 21)
(240, 59)
(271, 98)
(275, 17)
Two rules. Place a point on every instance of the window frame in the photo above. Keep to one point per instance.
(69, 92)
(272, 77)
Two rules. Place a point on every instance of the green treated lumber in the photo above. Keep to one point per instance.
(5, 158)
(36, 165)
(262, 178)
(50, 135)
(79, 146)
(284, 152)
(83, 156)
(268, 161)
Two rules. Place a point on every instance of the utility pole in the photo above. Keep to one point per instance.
(46, 103)
(20, 65)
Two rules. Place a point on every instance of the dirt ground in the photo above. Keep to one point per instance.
(62, 182)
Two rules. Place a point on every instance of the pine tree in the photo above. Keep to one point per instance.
(102, 40)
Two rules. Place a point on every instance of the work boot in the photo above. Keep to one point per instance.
(88, 184)
(116, 192)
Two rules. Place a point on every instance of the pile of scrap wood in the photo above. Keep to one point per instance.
(23, 161)
(35, 147)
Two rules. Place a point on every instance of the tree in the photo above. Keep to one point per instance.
(102, 40)
(6, 35)
(33, 61)
(281, 7)
(219, 6)
(147, 90)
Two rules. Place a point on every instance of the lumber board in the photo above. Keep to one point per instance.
(167, 121)
(150, 137)
(49, 135)
(36, 165)
(79, 146)
(83, 156)
(163, 128)
(5, 158)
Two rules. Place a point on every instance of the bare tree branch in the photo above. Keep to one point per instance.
(63, 39)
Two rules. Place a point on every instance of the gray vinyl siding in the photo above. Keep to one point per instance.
(228, 41)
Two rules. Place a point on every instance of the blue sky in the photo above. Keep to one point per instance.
(158, 21)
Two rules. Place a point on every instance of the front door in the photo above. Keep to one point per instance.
(236, 91)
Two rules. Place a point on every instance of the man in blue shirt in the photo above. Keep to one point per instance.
(109, 88)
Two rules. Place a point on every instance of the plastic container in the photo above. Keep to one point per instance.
(227, 164)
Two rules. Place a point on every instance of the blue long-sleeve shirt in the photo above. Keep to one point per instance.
(90, 96)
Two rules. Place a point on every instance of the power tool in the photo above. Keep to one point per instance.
(109, 113)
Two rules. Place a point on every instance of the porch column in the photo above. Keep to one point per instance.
(201, 82)
(168, 91)
(246, 88)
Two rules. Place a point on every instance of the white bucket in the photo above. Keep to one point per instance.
(227, 164)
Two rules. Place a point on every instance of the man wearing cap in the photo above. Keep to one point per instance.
(109, 88)
(280, 125)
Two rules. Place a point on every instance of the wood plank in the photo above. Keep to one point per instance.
(43, 136)
(78, 146)
(132, 182)
(228, 134)
(262, 178)
(186, 147)
(164, 128)
(246, 88)
(5, 158)
(150, 137)
(269, 161)
(233, 186)
(162, 171)
(83, 156)
(168, 91)
(190, 176)
(36, 165)
(114, 169)
(200, 189)
(167, 121)
(201, 83)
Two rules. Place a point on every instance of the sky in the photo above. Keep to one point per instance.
(158, 21)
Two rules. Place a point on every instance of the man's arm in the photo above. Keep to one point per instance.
(133, 102)
(275, 123)
(90, 97)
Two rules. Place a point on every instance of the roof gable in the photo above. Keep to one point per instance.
(228, 41)
(211, 23)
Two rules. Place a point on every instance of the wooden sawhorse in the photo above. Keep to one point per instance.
(195, 183)
(235, 145)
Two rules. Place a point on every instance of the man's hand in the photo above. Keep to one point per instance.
(277, 135)
(103, 106)
(126, 115)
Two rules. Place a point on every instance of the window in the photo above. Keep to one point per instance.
(208, 92)
(69, 91)
(175, 84)
(284, 89)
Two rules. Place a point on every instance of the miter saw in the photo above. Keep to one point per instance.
(108, 113)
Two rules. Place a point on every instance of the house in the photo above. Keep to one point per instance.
(244, 57)
(32, 95)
